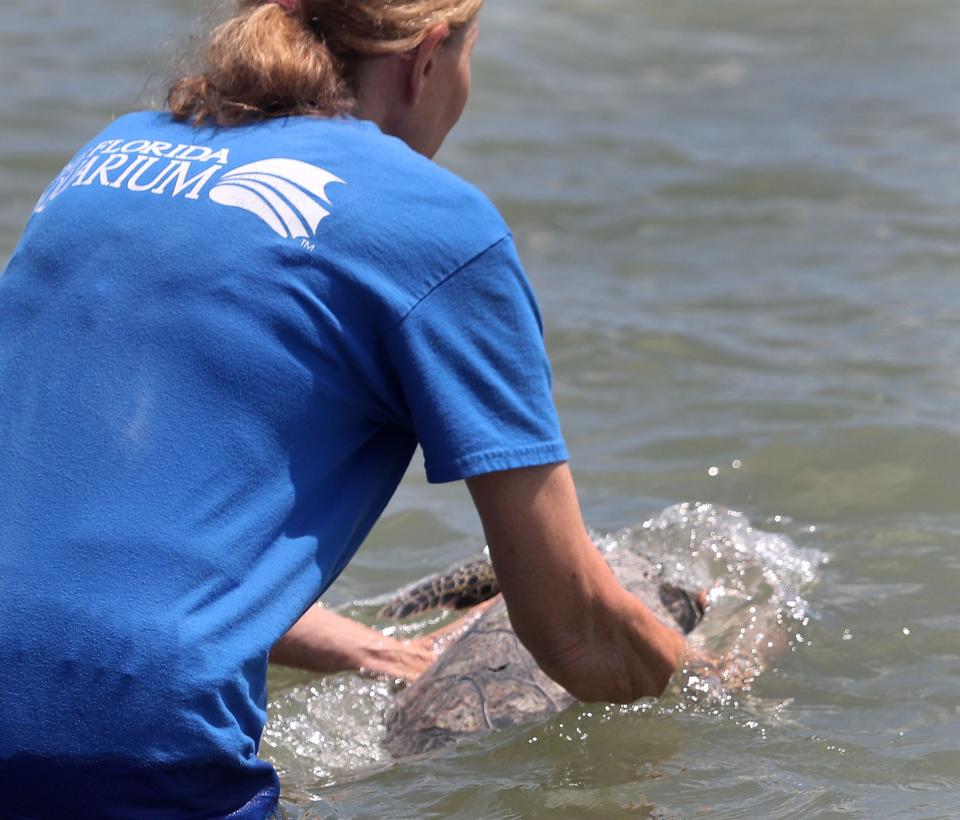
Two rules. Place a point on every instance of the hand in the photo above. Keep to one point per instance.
(399, 660)
(407, 660)
(325, 642)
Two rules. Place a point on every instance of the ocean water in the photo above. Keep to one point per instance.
(742, 220)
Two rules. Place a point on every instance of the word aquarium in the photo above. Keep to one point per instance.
(141, 166)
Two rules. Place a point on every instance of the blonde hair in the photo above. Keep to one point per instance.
(267, 61)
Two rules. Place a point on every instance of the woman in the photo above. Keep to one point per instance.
(224, 332)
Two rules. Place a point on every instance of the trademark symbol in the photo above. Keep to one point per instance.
(306, 245)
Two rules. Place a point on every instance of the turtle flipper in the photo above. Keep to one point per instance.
(460, 587)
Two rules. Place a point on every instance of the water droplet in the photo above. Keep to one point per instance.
(713, 472)
(906, 631)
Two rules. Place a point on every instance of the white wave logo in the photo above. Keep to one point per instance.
(284, 193)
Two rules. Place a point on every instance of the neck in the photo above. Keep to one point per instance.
(380, 93)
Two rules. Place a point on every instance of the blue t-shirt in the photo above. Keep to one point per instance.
(219, 349)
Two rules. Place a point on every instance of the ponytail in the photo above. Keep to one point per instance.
(262, 63)
(297, 58)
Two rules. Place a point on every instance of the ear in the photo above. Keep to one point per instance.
(423, 62)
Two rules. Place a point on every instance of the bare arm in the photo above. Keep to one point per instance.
(323, 641)
(587, 632)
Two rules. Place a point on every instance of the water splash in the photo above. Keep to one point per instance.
(329, 727)
(754, 580)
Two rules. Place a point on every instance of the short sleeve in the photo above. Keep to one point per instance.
(471, 363)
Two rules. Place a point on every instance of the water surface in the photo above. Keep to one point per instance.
(741, 218)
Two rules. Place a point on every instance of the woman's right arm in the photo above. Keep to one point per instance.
(583, 628)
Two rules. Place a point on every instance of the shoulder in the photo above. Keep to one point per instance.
(413, 188)
(416, 221)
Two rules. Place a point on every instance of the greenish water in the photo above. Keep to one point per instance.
(741, 219)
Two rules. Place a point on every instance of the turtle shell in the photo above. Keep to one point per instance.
(487, 680)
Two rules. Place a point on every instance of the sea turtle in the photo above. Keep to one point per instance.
(487, 680)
